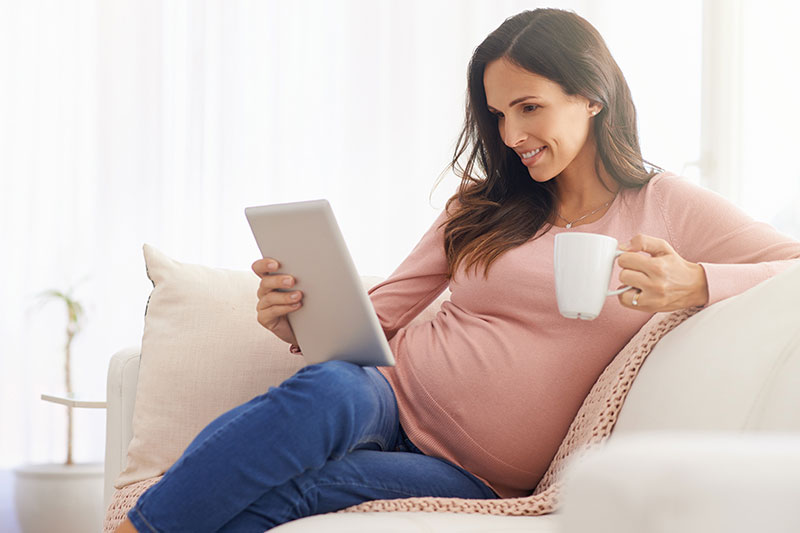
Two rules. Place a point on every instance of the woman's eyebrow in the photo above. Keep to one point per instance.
(516, 101)
(520, 99)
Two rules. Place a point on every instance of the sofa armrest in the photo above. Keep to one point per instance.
(123, 374)
(692, 482)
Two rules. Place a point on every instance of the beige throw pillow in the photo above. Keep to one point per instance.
(203, 353)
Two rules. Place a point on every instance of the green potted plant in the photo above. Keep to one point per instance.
(66, 496)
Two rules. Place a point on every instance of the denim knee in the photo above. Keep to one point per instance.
(331, 379)
(352, 402)
(335, 369)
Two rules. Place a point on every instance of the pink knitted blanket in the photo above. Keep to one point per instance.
(591, 426)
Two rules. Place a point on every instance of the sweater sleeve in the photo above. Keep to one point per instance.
(736, 251)
(418, 281)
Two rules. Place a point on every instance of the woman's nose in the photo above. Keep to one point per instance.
(513, 135)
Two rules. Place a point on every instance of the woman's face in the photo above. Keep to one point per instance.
(547, 129)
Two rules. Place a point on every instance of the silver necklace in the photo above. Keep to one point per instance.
(571, 223)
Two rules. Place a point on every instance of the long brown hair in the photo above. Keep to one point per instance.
(503, 207)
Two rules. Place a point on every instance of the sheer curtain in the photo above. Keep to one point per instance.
(132, 121)
(770, 188)
(749, 119)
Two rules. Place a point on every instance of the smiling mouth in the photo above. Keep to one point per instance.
(528, 155)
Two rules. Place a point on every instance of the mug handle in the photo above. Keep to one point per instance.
(623, 289)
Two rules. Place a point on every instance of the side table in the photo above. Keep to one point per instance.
(75, 400)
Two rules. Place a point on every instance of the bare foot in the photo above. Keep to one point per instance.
(126, 527)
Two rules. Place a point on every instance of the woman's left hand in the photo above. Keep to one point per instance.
(662, 280)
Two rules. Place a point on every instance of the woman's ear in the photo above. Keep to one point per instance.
(594, 108)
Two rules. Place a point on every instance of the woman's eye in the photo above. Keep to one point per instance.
(530, 107)
(498, 115)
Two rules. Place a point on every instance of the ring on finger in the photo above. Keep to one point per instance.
(635, 301)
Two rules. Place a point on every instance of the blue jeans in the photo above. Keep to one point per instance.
(325, 439)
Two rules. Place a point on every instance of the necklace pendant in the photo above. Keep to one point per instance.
(569, 225)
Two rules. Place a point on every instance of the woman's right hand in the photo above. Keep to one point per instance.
(274, 305)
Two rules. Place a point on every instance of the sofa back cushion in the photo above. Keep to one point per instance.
(203, 353)
(733, 366)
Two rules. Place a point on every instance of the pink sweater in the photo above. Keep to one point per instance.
(493, 382)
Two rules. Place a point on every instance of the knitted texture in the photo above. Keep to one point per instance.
(592, 426)
(123, 501)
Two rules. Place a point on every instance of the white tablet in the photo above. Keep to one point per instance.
(336, 320)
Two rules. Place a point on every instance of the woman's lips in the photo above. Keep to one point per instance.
(530, 161)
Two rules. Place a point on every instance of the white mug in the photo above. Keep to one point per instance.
(583, 263)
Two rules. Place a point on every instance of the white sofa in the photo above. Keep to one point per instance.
(711, 424)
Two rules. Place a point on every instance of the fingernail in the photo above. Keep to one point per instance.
(625, 246)
(287, 282)
(272, 264)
